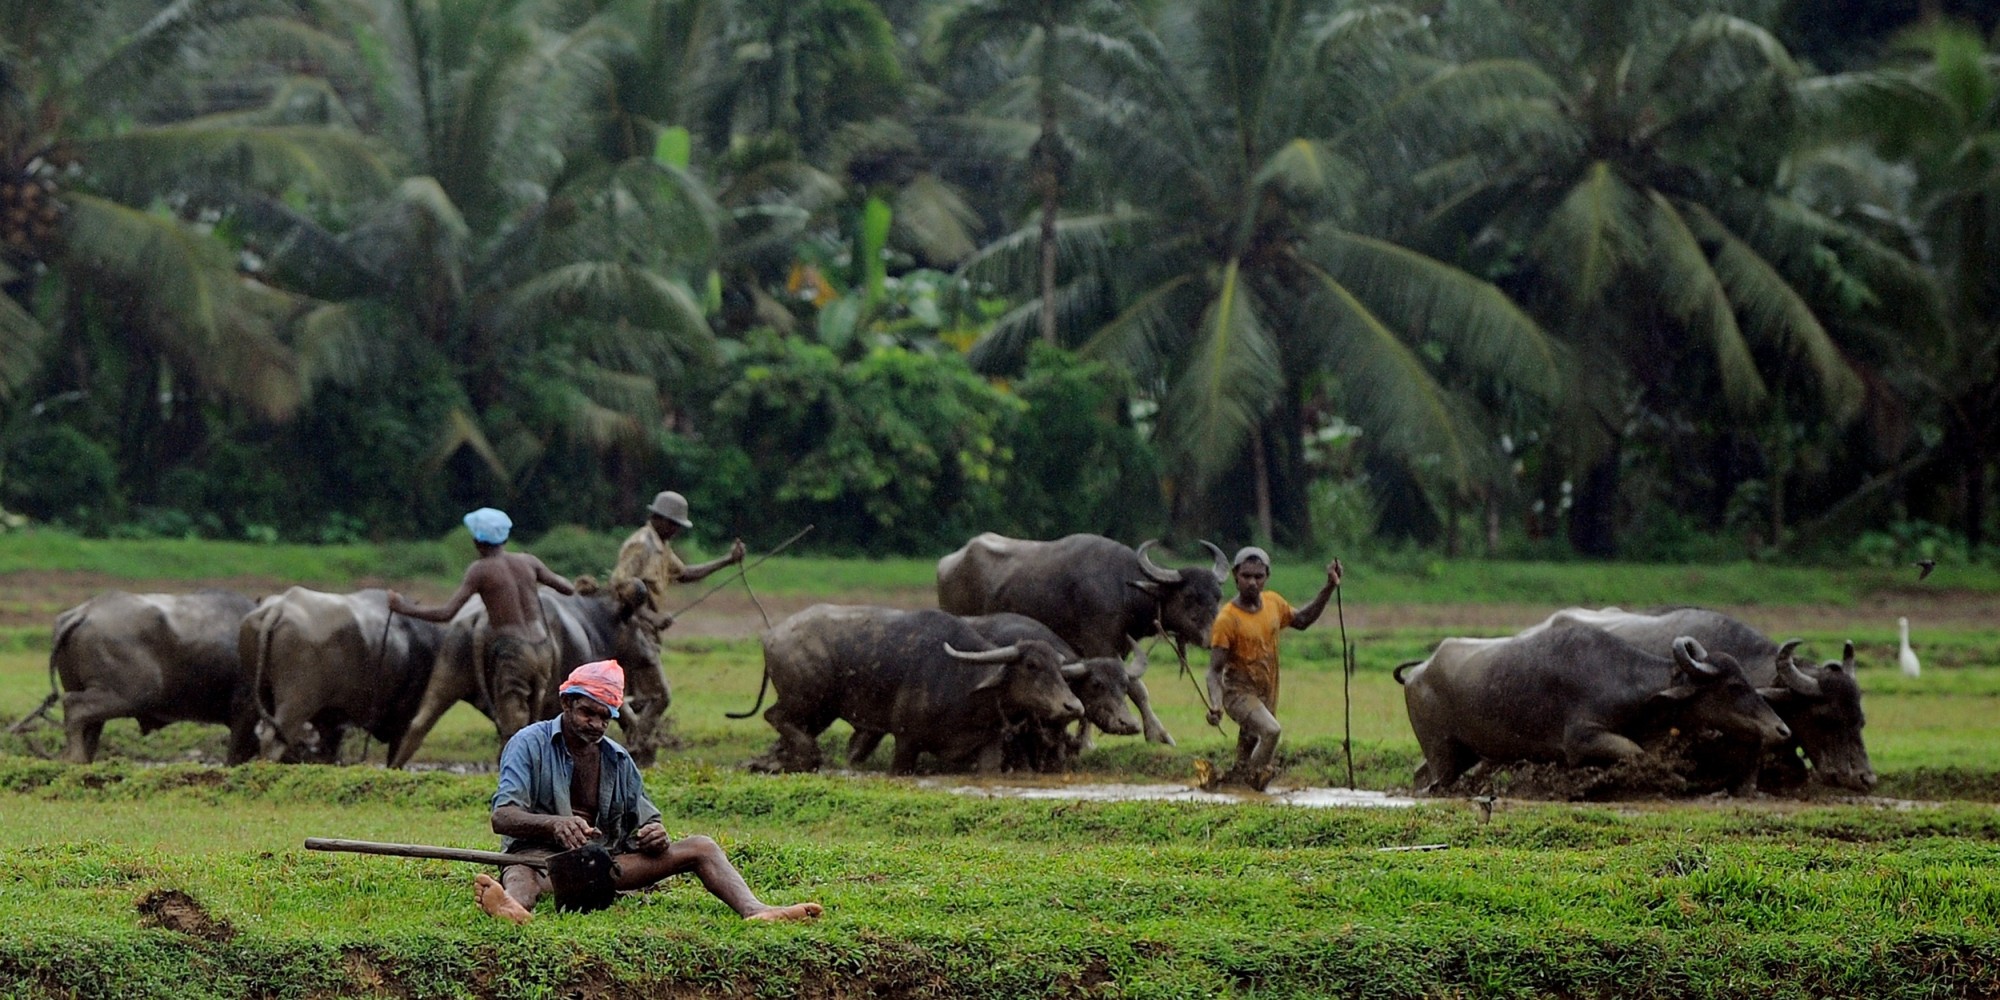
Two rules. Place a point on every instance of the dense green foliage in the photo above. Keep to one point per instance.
(1665, 279)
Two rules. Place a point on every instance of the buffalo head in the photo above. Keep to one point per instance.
(1823, 708)
(1187, 599)
(1102, 685)
(1029, 677)
(1713, 693)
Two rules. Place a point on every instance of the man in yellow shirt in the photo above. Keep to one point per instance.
(1243, 669)
(646, 566)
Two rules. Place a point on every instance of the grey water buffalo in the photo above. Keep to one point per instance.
(157, 658)
(320, 662)
(925, 677)
(588, 625)
(1101, 596)
(1821, 704)
(1103, 684)
(1575, 694)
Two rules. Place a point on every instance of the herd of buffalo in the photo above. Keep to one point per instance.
(1033, 644)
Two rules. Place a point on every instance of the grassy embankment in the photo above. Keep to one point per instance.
(931, 893)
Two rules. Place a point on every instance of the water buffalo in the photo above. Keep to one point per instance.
(588, 625)
(321, 661)
(1103, 684)
(1575, 694)
(1099, 595)
(925, 677)
(157, 658)
(1821, 705)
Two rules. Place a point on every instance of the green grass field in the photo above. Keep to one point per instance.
(936, 894)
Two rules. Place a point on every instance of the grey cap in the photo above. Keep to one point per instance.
(671, 506)
(1247, 553)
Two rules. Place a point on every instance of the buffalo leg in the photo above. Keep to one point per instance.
(84, 715)
(904, 760)
(1582, 744)
(648, 695)
(798, 741)
(862, 745)
(447, 688)
(1155, 732)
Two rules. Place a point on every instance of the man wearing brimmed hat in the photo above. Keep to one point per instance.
(1243, 669)
(647, 563)
(517, 652)
(564, 784)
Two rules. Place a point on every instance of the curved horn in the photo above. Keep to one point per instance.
(1075, 671)
(1135, 668)
(1005, 654)
(1151, 569)
(1847, 657)
(1693, 658)
(1791, 676)
(1221, 561)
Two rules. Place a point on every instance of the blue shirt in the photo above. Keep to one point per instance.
(535, 772)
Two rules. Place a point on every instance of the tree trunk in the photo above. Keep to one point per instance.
(1261, 473)
(1492, 525)
(1048, 182)
(1593, 518)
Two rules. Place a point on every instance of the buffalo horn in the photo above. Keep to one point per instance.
(1075, 671)
(1791, 676)
(1221, 561)
(1135, 668)
(1005, 654)
(1693, 658)
(1152, 569)
(1847, 657)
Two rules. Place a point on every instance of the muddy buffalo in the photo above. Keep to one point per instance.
(157, 658)
(1576, 695)
(1821, 704)
(320, 662)
(925, 677)
(1101, 596)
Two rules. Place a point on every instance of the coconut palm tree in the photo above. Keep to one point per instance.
(1935, 106)
(116, 162)
(1242, 275)
(1624, 164)
(547, 264)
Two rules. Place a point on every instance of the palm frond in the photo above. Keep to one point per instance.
(933, 217)
(1592, 235)
(1232, 381)
(1691, 290)
(1005, 344)
(1012, 262)
(461, 430)
(1388, 390)
(1776, 311)
(1479, 326)
(1151, 328)
(141, 164)
(1312, 170)
(21, 341)
(607, 292)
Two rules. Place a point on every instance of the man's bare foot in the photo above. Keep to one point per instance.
(494, 900)
(796, 911)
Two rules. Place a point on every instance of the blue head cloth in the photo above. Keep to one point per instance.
(488, 525)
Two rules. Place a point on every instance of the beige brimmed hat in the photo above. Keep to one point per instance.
(671, 506)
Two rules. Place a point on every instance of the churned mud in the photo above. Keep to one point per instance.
(174, 910)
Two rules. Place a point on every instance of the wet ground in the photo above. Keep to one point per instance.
(1089, 791)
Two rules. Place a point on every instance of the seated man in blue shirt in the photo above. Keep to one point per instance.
(564, 785)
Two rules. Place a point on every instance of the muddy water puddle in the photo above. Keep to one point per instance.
(1081, 791)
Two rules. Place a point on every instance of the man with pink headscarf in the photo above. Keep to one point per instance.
(564, 784)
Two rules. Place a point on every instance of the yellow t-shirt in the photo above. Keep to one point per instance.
(1252, 641)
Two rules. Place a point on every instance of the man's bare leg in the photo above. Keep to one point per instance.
(705, 859)
(512, 896)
